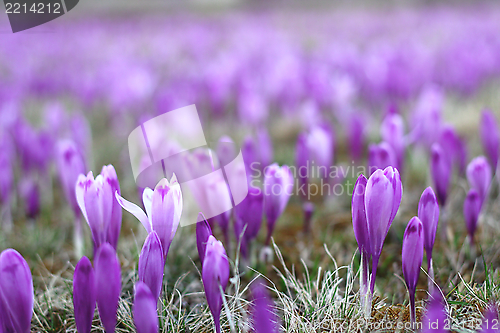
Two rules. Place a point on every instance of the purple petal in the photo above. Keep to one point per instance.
(203, 231)
(151, 264)
(472, 209)
(428, 213)
(144, 309)
(113, 233)
(358, 211)
(264, 318)
(490, 136)
(84, 295)
(440, 172)
(16, 292)
(435, 318)
(413, 253)
(479, 176)
(108, 285)
(490, 320)
(215, 273)
(134, 210)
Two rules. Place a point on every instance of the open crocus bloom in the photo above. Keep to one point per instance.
(163, 209)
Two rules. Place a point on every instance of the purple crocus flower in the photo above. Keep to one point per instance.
(97, 202)
(278, 185)
(29, 192)
(472, 209)
(412, 255)
(215, 275)
(440, 172)
(265, 145)
(69, 164)
(479, 176)
(392, 132)
(144, 309)
(428, 213)
(454, 146)
(356, 135)
(249, 217)
(84, 295)
(151, 264)
(108, 285)
(203, 231)
(490, 320)
(264, 318)
(320, 144)
(382, 199)
(16, 293)
(435, 318)
(250, 156)
(490, 137)
(163, 208)
(380, 156)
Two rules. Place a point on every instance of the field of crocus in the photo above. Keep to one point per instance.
(365, 142)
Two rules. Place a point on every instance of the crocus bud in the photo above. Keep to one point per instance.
(108, 285)
(95, 199)
(215, 274)
(250, 156)
(490, 320)
(411, 257)
(164, 209)
(151, 264)
(144, 309)
(265, 147)
(435, 318)
(479, 176)
(69, 164)
(382, 199)
(440, 172)
(428, 213)
(203, 231)
(472, 209)
(16, 293)
(392, 132)
(380, 156)
(454, 146)
(249, 213)
(320, 143)
(278, 186)
(28, 190)
(356, 136)
(490, 137)
(84, 295)
(264, 318)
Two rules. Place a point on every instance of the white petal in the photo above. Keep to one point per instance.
(135, 210)
(80, 193)
(147, 200)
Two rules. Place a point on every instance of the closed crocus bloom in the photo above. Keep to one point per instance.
(203, 231)
(428, 213)
(382, 199)
(69, 164)
(472, 209)
(490, 320)
(320, 143)
(151, 264)
(248, 217)
(440, 172)
(265, 147)
(356, 134)
(380, 156)
(411, 257)
(115, 224)
(95, 198)
(144, 309)
(278, 186)
(490, 136)
(16, 293)
(264, 318)
(392, 132)
(479, 176)
(250, 156)
(108, 285)
(163, 208)
(454, 146)
(215, 274)
(28, 190)
(435, 318)
(84, 295)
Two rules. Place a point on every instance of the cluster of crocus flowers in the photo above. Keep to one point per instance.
(375, 203)
(16, 293)
(101, 284)
(96, 199)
